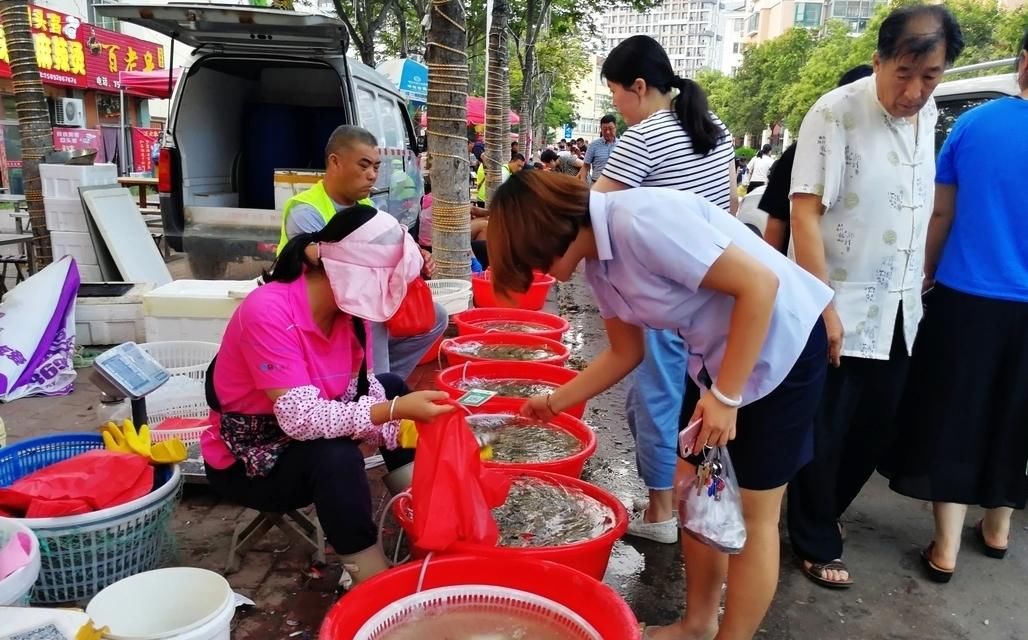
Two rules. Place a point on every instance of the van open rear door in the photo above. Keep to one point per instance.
(236, 27)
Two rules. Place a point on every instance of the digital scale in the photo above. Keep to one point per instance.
(126, 371)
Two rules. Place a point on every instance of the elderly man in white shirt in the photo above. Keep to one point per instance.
(862, 191)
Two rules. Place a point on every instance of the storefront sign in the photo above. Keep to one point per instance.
(143, 142)
(75, 139)
(74, 53)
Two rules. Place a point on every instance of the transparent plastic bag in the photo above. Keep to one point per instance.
(709, 505)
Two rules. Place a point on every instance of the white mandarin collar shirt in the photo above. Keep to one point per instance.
(876, 177)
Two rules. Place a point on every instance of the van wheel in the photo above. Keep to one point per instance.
(205, 266)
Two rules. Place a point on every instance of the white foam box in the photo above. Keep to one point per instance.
(64, 180)
(75, 244)
(111, 320)
(289, 182)
(192, 309)
(65, 214)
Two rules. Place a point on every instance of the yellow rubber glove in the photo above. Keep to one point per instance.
(89, 632)
(114, 439)
(170, 451)
(408, 438)
(138, 441)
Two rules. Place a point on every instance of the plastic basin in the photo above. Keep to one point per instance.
(468, 321)
(588, 556)
(533, 299)
(448, 379)
(570, 466)
(561, 351)
(597, 603)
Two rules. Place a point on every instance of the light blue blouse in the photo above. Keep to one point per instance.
(656, 246)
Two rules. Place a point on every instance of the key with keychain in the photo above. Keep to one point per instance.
(709, 479)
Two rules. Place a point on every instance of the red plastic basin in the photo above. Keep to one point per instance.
(561, 351)
(469, 322)
(570, 466)
(589, 556)
(448, 379)
(533, 299)
(594, 601)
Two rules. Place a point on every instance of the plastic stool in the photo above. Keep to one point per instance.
(295, 524)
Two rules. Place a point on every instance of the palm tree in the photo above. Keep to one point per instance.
(447, 139)
(33, 117)
(497, 100)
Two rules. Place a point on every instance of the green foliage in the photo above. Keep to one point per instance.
(745, 153)
(781, 79)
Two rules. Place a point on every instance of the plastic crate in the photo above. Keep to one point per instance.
(183, 358)
(80, 555)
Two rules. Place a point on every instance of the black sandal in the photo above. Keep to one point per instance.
(816, 573)
(993, 552)
(935, 573)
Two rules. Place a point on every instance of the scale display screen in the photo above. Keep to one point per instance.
(131, 370)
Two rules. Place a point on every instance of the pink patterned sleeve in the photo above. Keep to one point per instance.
(304, 415)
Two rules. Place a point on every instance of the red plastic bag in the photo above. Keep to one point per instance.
(82, 484)
(453, 495)
(416, 315)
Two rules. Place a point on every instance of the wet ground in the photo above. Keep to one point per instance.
(891, 600)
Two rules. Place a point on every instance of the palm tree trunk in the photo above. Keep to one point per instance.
(447, 139)
(497, 100)
(33, 118)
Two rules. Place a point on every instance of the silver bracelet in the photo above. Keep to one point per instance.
(734, 403)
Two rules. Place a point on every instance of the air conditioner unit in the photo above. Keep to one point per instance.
(69, 112)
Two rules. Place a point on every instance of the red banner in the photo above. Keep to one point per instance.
(75, 139)
(143, 142)
(74, 53)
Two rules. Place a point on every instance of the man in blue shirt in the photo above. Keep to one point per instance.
(964, 413)
(599, 151)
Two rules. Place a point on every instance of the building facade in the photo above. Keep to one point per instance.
(592, 102)
(79, 64)
(732, 32)
(687, 29)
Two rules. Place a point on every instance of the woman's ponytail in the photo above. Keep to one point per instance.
(693, 113)
(291, 260)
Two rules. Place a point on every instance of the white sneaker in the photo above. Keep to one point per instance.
(665, 532)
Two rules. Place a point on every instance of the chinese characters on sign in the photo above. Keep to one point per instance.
(74, 139)
(143, 141)
(73, 53)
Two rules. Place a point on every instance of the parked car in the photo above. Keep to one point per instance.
(954, 97)
(261, 93)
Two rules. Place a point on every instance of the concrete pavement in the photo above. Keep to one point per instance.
(891, 600)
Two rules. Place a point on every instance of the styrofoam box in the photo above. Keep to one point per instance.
(64, 180)
(111, 320)
(192, 309)
(65, 214)
(75, 244)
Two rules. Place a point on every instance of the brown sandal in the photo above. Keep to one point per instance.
(816, 573)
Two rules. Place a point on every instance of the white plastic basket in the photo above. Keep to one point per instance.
(186, 408)
(480, 598)
(453, 295)
(16, 588)
(183, 358)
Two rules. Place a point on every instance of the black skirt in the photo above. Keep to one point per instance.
(962, 426)
(774, 435)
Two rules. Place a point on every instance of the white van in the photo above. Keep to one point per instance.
(954, 97)
(261, 93)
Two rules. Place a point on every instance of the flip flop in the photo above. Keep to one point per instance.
(816, 573)
(993, 552)
(935, 573)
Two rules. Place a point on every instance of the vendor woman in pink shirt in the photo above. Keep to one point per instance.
(291, 389)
